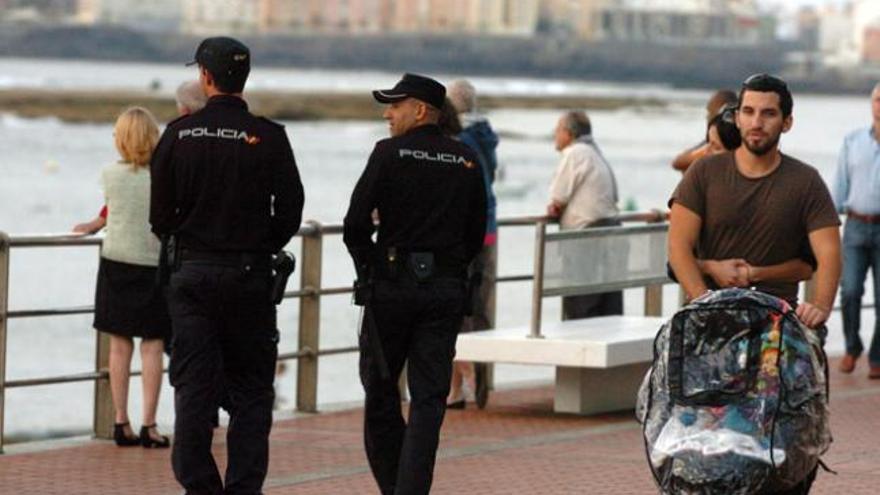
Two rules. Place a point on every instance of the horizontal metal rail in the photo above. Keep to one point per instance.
(309, 295)
(307, 291)
(308, 229)
(96, 375)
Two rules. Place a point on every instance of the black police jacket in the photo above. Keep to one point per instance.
(428, 189)
(225, 180)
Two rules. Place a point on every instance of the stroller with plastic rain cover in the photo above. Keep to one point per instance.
(736, 401)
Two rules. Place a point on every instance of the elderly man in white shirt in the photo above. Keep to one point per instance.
(583, 194)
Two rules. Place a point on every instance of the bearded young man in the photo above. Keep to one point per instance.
(755, 217)
(745, 218)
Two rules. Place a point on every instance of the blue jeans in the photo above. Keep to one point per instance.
(861, 250)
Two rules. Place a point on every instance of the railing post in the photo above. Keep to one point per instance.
(538, 285)
(654, 300)
(4, 306)
(491, 305)
(103, 415)
(309, 320)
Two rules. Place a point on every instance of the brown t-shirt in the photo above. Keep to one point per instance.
(764, 221)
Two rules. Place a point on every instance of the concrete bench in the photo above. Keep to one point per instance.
(599, 362)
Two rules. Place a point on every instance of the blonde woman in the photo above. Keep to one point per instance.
(128, 302)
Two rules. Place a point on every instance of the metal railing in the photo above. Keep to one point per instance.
(309, 294)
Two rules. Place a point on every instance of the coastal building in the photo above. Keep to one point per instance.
(836, 42)
(216, 17)
(324, 16)
(685, 22)
(578, 18)
(866, 22)
(37, 10)
(871, 44)
(806, 24)
(155, 15)
(476, 17)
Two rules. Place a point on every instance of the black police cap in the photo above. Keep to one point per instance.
(414, 86)
(223, 56)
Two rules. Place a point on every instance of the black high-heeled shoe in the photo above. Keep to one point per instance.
(149, 442)
(121, 439)
(459, 404)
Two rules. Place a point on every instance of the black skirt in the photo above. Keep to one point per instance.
(129, 302)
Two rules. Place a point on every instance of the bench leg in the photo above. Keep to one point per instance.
(595, 390)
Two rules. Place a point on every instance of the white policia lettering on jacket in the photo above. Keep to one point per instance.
(220, 133)
(448, 158)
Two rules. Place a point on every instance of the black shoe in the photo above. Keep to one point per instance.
(459, 404)
(121, 439)
(151, 443)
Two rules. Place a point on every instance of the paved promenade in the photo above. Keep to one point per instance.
(517, 445)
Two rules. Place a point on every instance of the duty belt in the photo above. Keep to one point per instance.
(227, 258)
(394, 261)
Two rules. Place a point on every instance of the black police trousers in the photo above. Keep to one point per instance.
(417, 324)
(225, 336)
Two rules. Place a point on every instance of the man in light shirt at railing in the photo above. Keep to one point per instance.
(856, 192)
(583, 194)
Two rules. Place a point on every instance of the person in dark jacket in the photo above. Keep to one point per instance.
(477, 133)
(226, 187)
(428, 189)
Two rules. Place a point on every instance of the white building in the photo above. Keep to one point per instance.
(152, 15)
(835, 31)
(866, 14)
(216, 17)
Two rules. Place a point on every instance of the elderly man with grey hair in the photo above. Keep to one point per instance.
(856, 192)
(190, 97)
(583, 194)
(478, 135)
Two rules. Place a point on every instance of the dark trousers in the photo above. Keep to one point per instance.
(861, 252)
(417, 324)
(607, 303)
(224, 327)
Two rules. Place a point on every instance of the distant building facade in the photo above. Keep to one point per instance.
(215, 17)
(152, 15)
(871, 44)
(685, 22)
(866, 22)
(578, 18)
(51, 11)
(352, 17)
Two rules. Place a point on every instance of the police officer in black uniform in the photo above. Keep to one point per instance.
(428, 190)
(225, 185)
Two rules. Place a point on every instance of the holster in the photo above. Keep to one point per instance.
(363, 296)
(169, 259)
(283, 265)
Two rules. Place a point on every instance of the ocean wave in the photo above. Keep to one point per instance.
(13, 121)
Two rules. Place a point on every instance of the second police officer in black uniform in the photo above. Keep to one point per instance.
(225, 184)
(428, 190)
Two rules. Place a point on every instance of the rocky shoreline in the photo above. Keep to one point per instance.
(97, 106)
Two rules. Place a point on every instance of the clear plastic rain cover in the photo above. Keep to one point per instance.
(736, 400)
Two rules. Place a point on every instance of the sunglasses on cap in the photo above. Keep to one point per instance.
(764, 80)
(727, 113)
